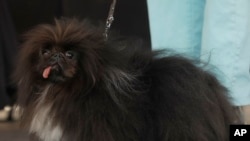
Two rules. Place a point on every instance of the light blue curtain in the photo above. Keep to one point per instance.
(215, 31)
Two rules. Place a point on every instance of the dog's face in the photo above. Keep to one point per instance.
(61, 52)
(58, 62)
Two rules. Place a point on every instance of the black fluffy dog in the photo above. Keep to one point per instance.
(75, 86)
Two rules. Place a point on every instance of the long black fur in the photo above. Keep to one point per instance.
(121, 90)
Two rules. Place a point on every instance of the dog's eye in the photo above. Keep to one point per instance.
(46, 52)
(69, 54)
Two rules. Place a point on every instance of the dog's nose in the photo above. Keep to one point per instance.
(57, 56)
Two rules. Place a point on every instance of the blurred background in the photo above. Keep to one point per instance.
(16, 17)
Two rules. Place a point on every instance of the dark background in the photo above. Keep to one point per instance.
(131, 16)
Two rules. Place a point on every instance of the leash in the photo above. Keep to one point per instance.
(110, 19)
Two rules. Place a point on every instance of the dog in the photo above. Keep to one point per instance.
(73, 85)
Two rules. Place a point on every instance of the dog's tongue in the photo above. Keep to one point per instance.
(46, 72)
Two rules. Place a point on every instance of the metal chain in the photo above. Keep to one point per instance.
(110, 19)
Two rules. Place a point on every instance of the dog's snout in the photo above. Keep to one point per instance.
(57, 56)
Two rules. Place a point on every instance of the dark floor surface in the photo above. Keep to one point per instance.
(10, 131)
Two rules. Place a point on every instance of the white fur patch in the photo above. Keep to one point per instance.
(41, 123)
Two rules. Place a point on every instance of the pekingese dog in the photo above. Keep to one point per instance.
(73, 85)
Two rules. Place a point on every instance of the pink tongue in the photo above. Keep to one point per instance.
(46, 72)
